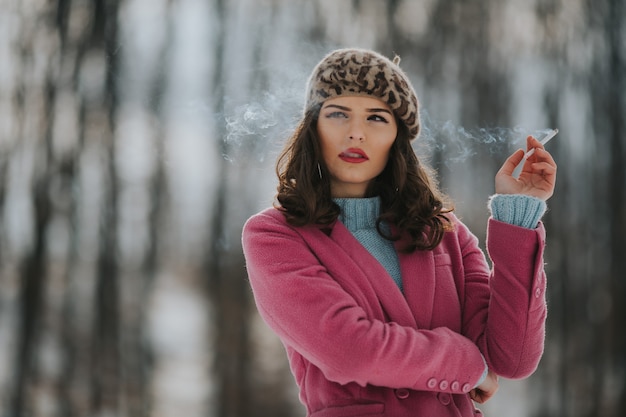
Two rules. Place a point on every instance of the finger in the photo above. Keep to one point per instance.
(545, 156)
(475, 396)
(532, 145)
(544, 168)
(544, 163)
(533, 142)
(479, 398)
(512, 161)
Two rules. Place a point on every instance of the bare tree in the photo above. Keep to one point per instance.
(106, 366)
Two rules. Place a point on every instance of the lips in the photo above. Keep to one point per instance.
(353, 155)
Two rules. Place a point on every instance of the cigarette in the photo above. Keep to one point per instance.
(543, 141)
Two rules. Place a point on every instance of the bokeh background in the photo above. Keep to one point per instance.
(137, 136)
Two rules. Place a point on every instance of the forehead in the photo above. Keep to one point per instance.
(357, 102)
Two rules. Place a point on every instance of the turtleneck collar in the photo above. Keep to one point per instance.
(359, 213)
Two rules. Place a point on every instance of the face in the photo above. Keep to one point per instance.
(356, 134)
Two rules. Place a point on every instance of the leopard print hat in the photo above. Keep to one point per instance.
(360, 72)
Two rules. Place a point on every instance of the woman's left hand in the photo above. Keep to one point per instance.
(482, 393)
(538, 175)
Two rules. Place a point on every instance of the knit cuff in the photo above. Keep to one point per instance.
(517, 209)
(485, 372)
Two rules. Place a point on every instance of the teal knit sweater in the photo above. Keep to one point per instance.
(359, 215)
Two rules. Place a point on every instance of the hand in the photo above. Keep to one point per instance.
(538, 175)
(482, 393)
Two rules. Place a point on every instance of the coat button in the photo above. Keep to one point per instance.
(466, 388)
(443, 385)
(402, 393)
(444, 398)
(455, 386)
(432, 383)
(538, 292)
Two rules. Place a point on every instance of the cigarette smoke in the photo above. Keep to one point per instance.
(457, 143)
(260, 129)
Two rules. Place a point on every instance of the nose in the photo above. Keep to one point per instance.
(357, 131)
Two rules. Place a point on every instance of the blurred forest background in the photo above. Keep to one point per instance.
(137, 136)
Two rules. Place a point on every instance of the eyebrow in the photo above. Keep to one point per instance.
(344, 108)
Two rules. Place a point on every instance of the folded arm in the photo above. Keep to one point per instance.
(324, 323)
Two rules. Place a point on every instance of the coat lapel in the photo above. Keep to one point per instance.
(383, 285)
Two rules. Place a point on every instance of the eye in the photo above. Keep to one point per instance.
(378, 118)
(337, 115)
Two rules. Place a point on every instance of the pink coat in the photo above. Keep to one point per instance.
(357, 346)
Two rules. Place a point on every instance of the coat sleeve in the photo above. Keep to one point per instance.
(315, 316)
(505, 315)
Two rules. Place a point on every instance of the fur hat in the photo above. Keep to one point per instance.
(360, 72)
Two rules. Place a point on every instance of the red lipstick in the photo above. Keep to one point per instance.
(353, 155)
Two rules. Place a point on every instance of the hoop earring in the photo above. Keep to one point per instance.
(319, 170)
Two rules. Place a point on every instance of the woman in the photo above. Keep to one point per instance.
(381, 296)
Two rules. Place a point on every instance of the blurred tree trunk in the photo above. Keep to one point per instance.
(73, 395)
(106, 366)
(226, 282)
(608, 82)
(616, 107)
(141, 365)
(33, 272)
(33, 269)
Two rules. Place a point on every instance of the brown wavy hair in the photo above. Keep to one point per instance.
(410, 196)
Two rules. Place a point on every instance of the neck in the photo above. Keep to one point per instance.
(348, 191)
